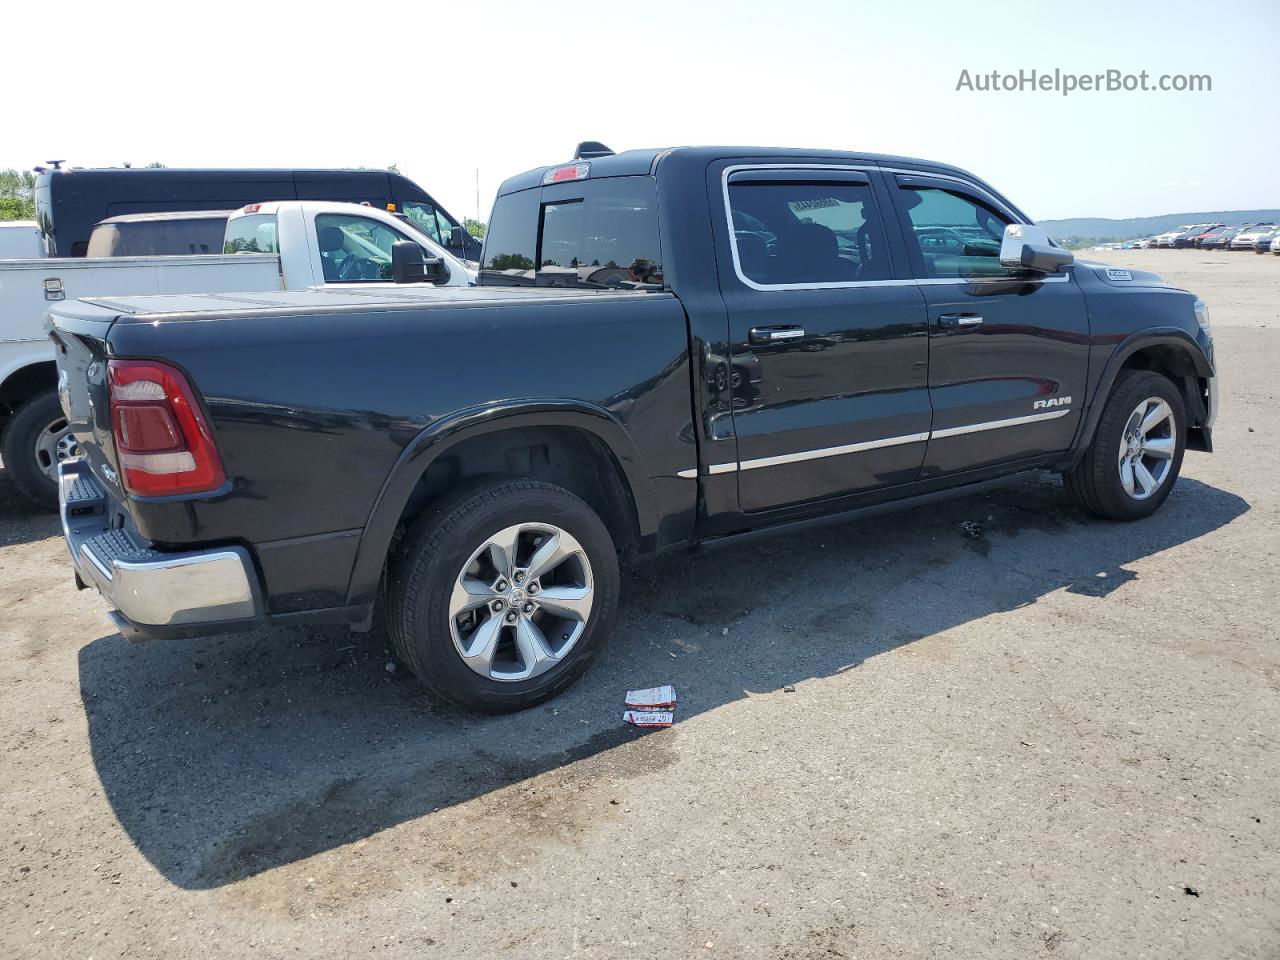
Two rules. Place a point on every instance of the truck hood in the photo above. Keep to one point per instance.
(1123, 276)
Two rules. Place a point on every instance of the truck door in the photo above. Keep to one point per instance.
(829, 350)
(1008, 350)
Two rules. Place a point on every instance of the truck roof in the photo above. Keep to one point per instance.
(640, 162)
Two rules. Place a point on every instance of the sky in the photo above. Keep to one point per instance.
(455, 92)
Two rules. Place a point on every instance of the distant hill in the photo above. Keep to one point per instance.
(1099, 229)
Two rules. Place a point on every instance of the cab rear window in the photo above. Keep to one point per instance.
(606, 237)
(253, 234)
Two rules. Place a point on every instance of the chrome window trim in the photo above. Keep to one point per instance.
(823, 452)
(857, 284)
(1001, 207)
(733, 239)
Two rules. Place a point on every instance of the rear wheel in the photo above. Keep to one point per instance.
(36, 440)
(502, 595)
(1136, 454)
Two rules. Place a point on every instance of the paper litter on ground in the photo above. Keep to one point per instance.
(652, 698)
(649, 718)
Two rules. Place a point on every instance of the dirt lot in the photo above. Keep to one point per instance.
(993, 728)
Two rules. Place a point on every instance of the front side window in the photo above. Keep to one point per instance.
(355, 249)
(807, 232)
(956, 235)
(253, 234)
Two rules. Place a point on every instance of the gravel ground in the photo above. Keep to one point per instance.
(991, 728)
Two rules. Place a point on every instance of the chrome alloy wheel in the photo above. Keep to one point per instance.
(1147, 447)
(521, 602)
(55, 445)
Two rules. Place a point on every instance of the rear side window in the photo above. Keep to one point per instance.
(254, 234)
(807, 232)
(607, 237)
(158, 238)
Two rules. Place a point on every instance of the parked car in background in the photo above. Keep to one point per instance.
(20, 239)
(1189, 237)
(1166, 239)
(476, 461)
(1246, 238)
(1263, 243)
(1275, 246)
(1209, 236)
(70, 202)
(181, 233)
(290, 245)
(1221, 239)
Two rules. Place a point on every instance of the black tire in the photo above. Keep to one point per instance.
(37, 415)
(422, 573)
(1095, 482)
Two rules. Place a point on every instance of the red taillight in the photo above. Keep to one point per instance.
(162, 439)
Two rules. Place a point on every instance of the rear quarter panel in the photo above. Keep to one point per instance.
(311, 412)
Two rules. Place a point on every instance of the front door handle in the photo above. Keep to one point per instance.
(959, 320)
(775, 334)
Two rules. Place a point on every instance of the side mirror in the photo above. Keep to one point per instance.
(458, 238)
(1027, 247)
(408, 265)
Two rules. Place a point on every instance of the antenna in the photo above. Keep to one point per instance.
(590, 149)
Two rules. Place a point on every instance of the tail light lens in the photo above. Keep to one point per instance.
(162, 439)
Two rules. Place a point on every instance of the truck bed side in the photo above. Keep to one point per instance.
(316, 408)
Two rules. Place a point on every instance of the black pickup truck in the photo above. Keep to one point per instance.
(665, 347)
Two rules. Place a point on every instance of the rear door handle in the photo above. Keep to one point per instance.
(775, 334)
(959, 320)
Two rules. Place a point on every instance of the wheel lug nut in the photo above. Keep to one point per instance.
(497, 606)
(527, 608)
(533, 587)
(511, 616)
(518, 578)
(501, 586)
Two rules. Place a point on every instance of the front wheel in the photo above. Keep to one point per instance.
(503, 594)
(36, 440)
(1133, 461)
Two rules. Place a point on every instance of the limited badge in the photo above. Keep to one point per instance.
(1114, 274)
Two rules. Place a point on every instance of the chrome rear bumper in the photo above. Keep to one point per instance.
(149, 588)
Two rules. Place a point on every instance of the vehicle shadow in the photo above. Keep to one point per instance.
(23, 521)
(228, 756)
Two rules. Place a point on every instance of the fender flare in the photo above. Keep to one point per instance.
(437, 439)
(1175, 337)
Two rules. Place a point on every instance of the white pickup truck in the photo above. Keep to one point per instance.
(285, 245)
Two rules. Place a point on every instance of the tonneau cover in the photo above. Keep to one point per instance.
(174, 306)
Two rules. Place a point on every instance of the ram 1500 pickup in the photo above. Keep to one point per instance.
(665, 347)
